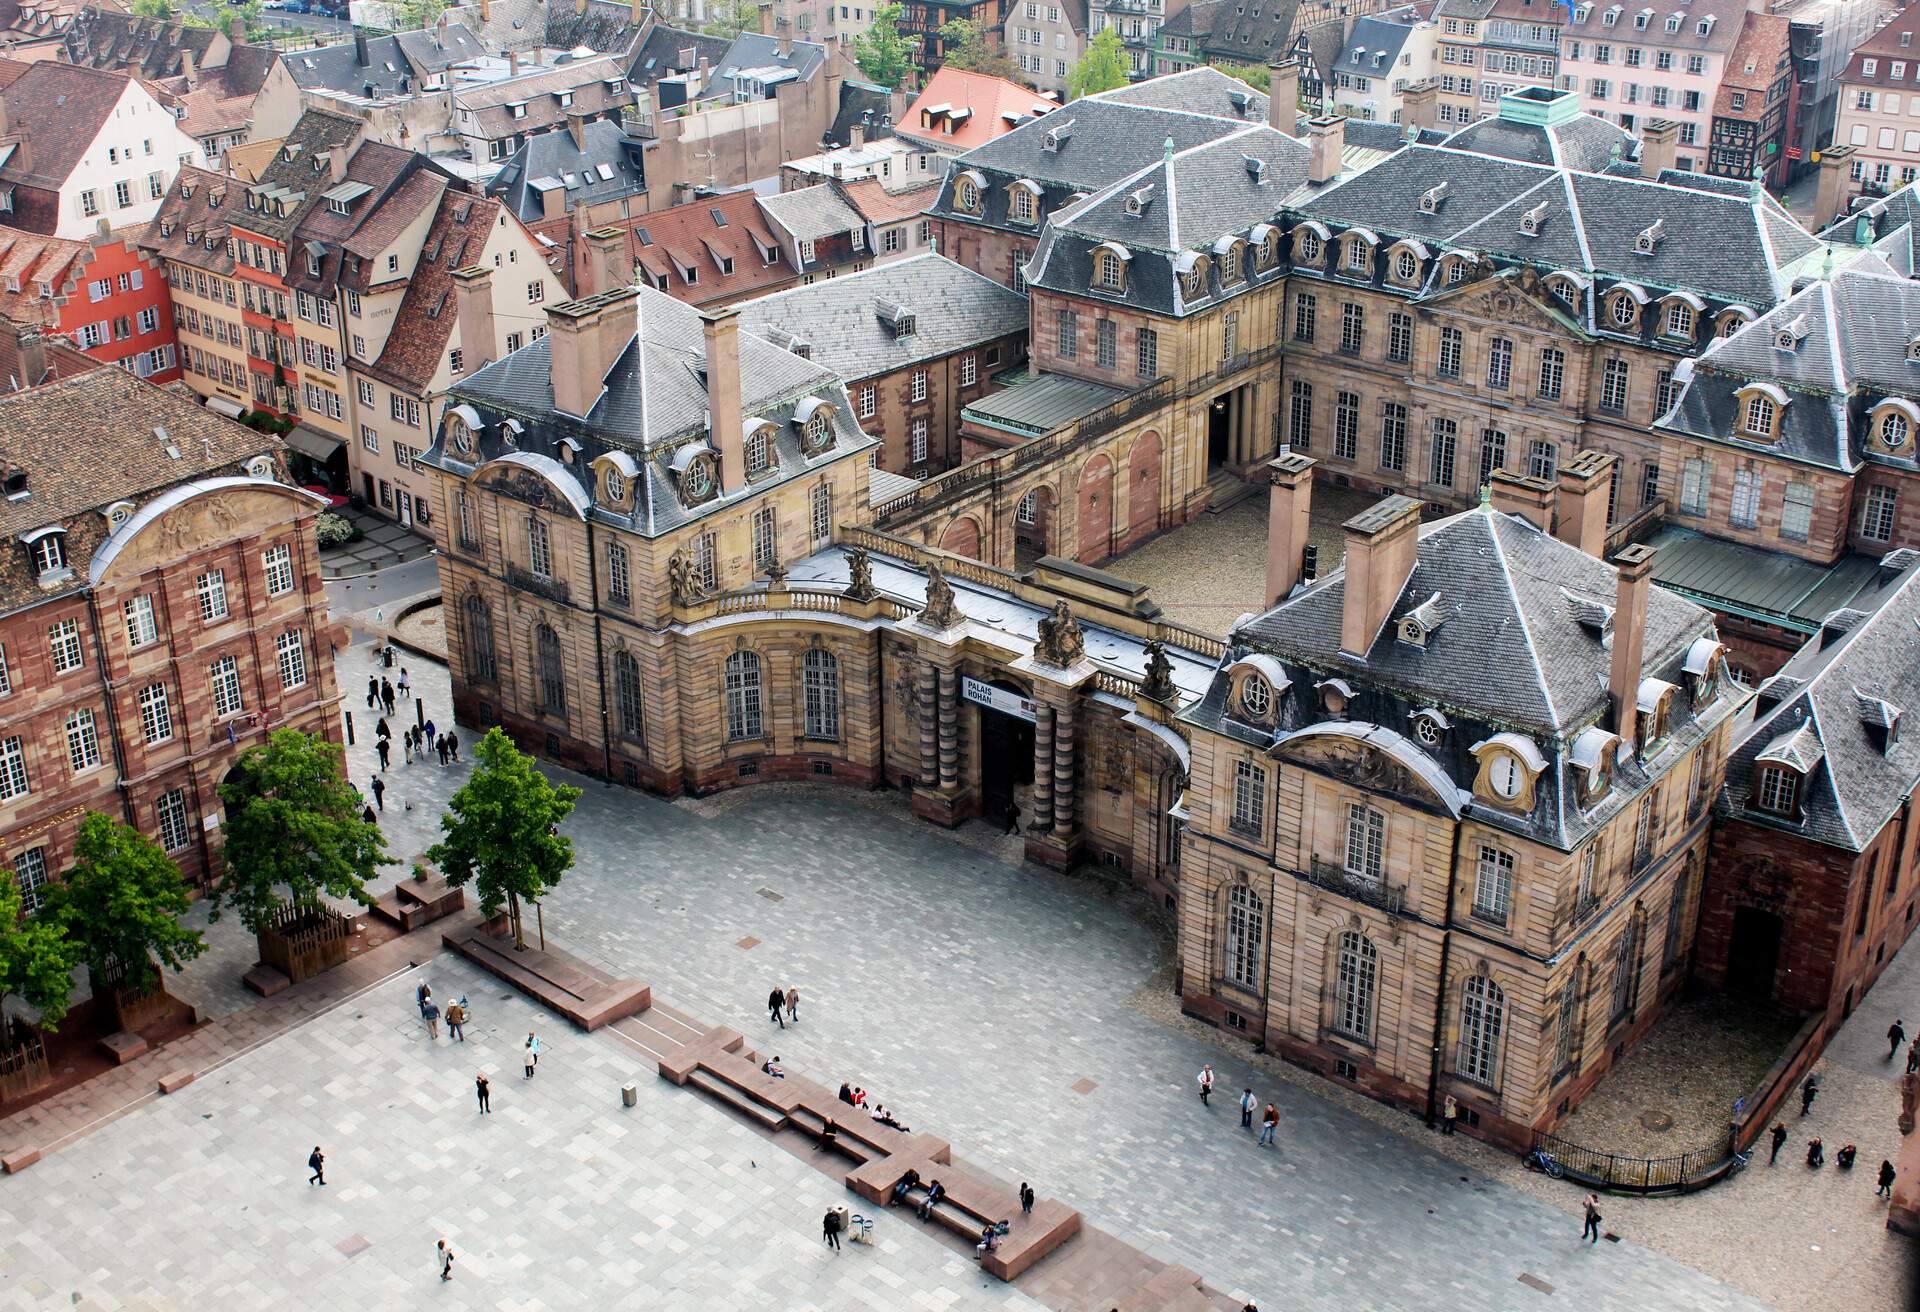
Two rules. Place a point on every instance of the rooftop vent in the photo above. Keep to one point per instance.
(1256, 168)
(1530, 221)
(1434, 197)
(1649, 237)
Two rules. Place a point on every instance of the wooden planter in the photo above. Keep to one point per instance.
(23, 1060)
(302, 942)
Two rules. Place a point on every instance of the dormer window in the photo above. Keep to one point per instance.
(759, 452)
(1056, 136)
(1138, 200)
(1430, 727)
(1913, 351)
(49, 554)
(1760, 407)
(1269, 249)
(1023, 202)
(1760, 416)
(1791, 334)
(1458, 270)
(1110, 271)
(966, 193)
(1894, 429)
(1510, 764)
(1777, 790)
(1649, 237)
(1355, 257)
(1530, 221)
(1679, 320)
(1256, 697)
(1624, 310)
(1434, 197)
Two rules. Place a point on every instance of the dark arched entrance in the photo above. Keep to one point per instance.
(1006, 749)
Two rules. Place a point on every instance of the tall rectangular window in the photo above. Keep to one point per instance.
(1069, 331)
(63, 644)
(1346, 426)
(278, 565)
(1553, 373)
(1106, 342)
(156, 713)
(1493, 886)
(619, 583)
(6, 679)
(141, 629)
(917, 442)
(1440, 456)
(211, 588)
(1393, 437)
(1696, 485)
(820, 514)
(1249, 798)
(1147, 353)
(292, 655)
(83, 740)
(1665, 392)
(1230, 334)
(469, 520)
(1569, 1011)
(1305, 310)
(1876, 518)
(766, 542)
(1500, 363)
(30, 875)
(1613, 387)
(1300, 416)
(539, 549)
(224, 678)
(13, 769)
(1399, 338)
(1643, 832)
(170, 809)
(1366, 841)
(1493, 453)
(1649, 484)
(1796, 512)
(1353, 326)
(1743, 511)
(1448, 365)
(1543, 459)
(705, 561)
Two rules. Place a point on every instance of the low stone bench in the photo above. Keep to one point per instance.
(588, 997)
(1173, 1289)
(265, 980)
(123, 1047)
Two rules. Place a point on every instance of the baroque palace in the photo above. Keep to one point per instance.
(1433, 823)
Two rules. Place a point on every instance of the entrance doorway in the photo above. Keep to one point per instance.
(1219, 431)
(1754, 953)
(1006, 761)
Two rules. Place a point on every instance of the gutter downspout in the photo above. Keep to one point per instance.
(1440, 993)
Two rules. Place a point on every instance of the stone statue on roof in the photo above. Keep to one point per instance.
(1060, 641)
(1158, 685)
(941, 611)
(860, 575)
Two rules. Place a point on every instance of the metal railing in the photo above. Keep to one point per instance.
(552, 589)
(1391, 898)
(1641, 1175)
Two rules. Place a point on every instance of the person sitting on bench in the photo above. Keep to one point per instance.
(772, 1067)
(935, 1192)
(827, 1139)
(989, 1240)
(908, 1183)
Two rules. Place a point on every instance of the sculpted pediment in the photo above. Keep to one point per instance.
(1518, 298)
(1395, 769)
(526, 486)
(206, 520)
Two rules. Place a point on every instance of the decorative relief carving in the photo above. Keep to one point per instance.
(684, 580)
(526, 486)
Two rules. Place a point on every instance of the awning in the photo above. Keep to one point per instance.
(313, 442)
(221, 406)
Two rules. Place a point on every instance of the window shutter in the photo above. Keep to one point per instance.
(139, 277)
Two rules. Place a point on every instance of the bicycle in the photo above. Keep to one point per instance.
(1543, 1161)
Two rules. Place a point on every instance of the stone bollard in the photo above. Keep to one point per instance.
(629, 1095)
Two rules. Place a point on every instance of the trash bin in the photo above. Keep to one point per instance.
(846, 1223)
(629, 1094)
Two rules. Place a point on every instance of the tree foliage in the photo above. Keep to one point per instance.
(883, 52)
(967, 47)
(730, 18)
(418, 15)
(294, 830)
(1102, 68)
(1254, 75)
(36, 957)
(503, 830)
(152, 9)
(120, 904)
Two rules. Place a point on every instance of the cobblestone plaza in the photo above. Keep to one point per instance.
(1006, 1009)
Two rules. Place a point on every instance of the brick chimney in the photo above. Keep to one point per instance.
(766, 17)
(1530, 498)
(783, 32)
(722, 330)
(513, 63)
(608, 264)
(360, 55)
(1830, 200)
(1326, 138)
(237, 30)
(337, 164)
(1635, 565)
(1283, 95)
(1659, 146)
(1383, 542)
(1289, 504)
(553, 203)
(32, 347)
(1585, 484)
(486, 11)
(473, 304)
(577, 128)
(586, 337)
(1419, 104)
(189, 70)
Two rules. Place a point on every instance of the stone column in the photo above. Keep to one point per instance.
(929, 725)
(949, 730)
(1043, 783)
(1063, 773)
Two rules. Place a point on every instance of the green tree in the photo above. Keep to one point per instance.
(967, 47)
(1102, 68)
(152, 9)
(36, 957)
(418, 15)
(1254, 75)
(294, 824)
(503, 831)
(882, 51)
(732, 17)
(121, 902)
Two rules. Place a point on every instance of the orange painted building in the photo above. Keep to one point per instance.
(103, 295)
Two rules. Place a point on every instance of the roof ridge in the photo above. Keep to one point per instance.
(1506, 573)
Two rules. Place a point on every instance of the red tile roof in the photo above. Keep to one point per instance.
(874, 203)
(986, 97)
(694, 237)
(418, 339)
(28, 260)
(59, 109)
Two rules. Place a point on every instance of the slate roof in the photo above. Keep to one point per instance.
(954, 310)
(435, 50)
(1253, 34)
(811, 213)
(1373, 47)
(751, 51)
(540, 92)
(1583, 142)
(71, 482)
(1511, 598)
(105, 38)
(388, 65)
(1892, 219)
(547, 159)
(669, 50)
(417, 343)
(1831, 696)
(654, 404)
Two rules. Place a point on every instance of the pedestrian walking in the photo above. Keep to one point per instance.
(456, 1018)
(1592, 1231)
(453, 747)
(380, 793)
(428, 728)
(1816, 1153)
(443, 1254)
(405, 682)
(386, 695)
(1206, 1085)
(1247, 1103)
(532, 1054)
(776, 1002)
(381, 750)
(373, 691)
(793, 1005)
(317, 1163)
(1887, 1174)
(1026, 1199)
(421, 996)
(381, 731)
(406, 743)
(431, 1014)
(1809, 1090)
(830, 1229)
(483, 1090)
(440, 749)
(1269, 1123)
(1779, 1134)
(1896, 1035)
(1449, 1113)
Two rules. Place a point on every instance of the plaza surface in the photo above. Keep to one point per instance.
(1004, 1008)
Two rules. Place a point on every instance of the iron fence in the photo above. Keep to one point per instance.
(1640, 1175)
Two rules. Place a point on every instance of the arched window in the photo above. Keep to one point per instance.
(1022, 205)
(1309, 247)
(626, 695)
(1626, 969)
(1483, 1014)
(1269, 250)
(480, 662)
(967, 196)
(1112, 276)
(1893, 430)
(1760, 411)
(1679, 319)
(822, 674)
(1359, 973)
(1624, 310)
(553, 675)
(1405, 266)
(1246, 932)
(1358, 254)
(743, 696)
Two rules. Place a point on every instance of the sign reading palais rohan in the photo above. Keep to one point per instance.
(999, 699)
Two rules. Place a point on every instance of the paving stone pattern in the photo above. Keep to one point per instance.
(971, 995)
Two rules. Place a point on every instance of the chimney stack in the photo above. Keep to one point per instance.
(1659, 146)
(722, 330)
(608, 265)
(1283, 95)
(237, 30)
(1326, 139)
(1517, 494)
(513, 63)
(580, 8)
(337, 164)
(856, 136)
(1289, 505)
(473, 306)
(766, 17)
(553, 203)
(33, 357)
(440, 31)
(486, 11)
(1383, 544)
(577, 128)
(1830, 200)
(783, 31)
(360, 55)
(1419, 104)
(1585, 484)
(1635, 565)
(586, 336)
(188, 70)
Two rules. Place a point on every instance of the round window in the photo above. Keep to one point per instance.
(819, 431)
(1893, 430)
(1623, 311)
(1256, 696)
(697, 481)
(1505, 777)
(1427, 731)
(1310, 247)
(616, 485)
(1406, 266)
(462, 436)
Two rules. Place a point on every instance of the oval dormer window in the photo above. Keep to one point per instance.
(1506, 778)
(260, 467)
(1256, 696)
(819, 432)
(616, 486)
